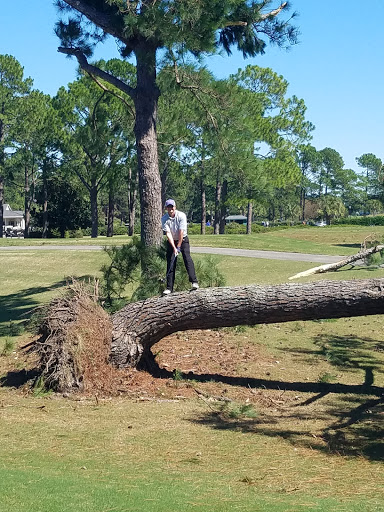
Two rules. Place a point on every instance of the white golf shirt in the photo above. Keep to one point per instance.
(175, 224)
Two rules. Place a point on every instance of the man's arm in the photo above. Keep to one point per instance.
(172, 242)
(182, 228)
(168, 234)
(181, 234)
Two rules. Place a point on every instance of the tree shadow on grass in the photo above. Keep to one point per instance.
(357, 432)
(347, 353)
(19, 306)
(352, 414)
(355, 246)
(18, 378)
(320, 388)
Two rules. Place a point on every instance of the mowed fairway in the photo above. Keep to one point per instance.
(338, 240)
(303, 434)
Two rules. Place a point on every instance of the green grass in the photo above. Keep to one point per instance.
(31, 278)
(86, 240)
(59, 455)
(119, 454)
(333, 240)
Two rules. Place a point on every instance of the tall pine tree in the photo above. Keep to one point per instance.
(177, 27)
(12, 87)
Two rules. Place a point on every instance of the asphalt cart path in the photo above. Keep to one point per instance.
(245, 253)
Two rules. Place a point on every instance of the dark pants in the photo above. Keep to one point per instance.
(185, 251)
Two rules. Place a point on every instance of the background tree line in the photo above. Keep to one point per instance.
(239, 145)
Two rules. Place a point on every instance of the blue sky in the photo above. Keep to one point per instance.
(337, 68)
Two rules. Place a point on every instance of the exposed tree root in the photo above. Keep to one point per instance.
(74, 344)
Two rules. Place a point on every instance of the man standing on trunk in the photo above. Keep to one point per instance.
(174, 224)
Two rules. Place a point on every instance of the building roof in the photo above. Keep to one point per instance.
(8, 213)
(236, 217)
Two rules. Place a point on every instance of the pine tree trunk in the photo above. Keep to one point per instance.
(27, 213)
(302, 203)
(138, 326)
(203, 206)
(94, 214)
(216, 230)
(111, 212)
(2, 163)
(223, 207)
(132, 197)
(45, 204)
(1, 205)
(249, 218)
(146, 98)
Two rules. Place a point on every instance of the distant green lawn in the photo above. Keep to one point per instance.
(334, 240)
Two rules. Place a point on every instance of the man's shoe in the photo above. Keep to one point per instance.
(166, 292)
(195, 286)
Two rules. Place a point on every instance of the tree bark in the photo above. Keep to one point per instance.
(27, 202)
(2, 163)
(216, 229)
(138, 326)
(223, 207)
(249, 218)
(45, 202)
(1, 205)
(111, 211)
(203, 206)
(94, 214)
(302, 203)
(145, 98)
(132, 195)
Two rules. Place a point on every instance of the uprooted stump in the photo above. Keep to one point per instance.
(74, 344)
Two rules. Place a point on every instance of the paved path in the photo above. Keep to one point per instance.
(269, 255)
(247, 253)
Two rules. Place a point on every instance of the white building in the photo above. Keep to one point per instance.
(13, 220)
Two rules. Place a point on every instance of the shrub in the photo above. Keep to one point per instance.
(76, 233)
(127, 264)
(195, 229)
(367, 220)
(8, 347)
(258, 228)
(36, 233)
(233, 228)
(120, 230)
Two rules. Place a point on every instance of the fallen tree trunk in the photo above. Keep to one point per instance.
(138, 326)
(331, 267)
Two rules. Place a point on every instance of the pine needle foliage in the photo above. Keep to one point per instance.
(145, 267)
(184, 25)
